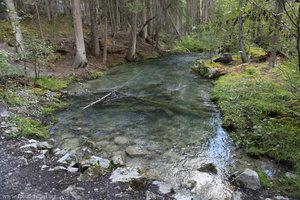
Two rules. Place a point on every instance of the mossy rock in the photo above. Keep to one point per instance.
(206, 70)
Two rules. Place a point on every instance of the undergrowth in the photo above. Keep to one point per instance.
(261, 108)
(29, 128)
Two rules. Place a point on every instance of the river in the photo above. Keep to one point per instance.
(161, 107)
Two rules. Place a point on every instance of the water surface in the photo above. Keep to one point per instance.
(162, 107)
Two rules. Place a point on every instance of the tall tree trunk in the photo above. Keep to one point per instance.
(144, 18)
(150, 14)
(241, 33)
(105, 33)
(48, 9)
(276, 31)
(298, 37)
(94, 28)
(80, 58)
(39, 20)
(15, 25)
(132, 37)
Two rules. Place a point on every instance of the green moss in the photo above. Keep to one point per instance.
(256, 52)
(93, 74)
(264, 179)
(188, 44)
(51, 83)
(30, 128)
(11, 99)
(261, 109)
(54, 105)
(6, 32)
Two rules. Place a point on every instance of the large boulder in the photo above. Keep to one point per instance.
(248, 179)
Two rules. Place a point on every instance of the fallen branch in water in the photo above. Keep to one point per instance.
(99, 100)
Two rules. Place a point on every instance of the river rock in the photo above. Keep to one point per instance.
(44, 145)
(236, 196)
(70, 143)
(63, 159)
(163, 188)
(121, 140)
(136, 151)
(150, 195)
(183, 197)
(281, 198)
(248, 179)
(118, 160)
(93, 160)
(125, 174)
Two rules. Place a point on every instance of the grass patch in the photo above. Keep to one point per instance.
(256, 52)
(264, 179)
(54, 105)
(261, 108)
(30, 128)
(51, 83)
(11, 99)
(93, 74)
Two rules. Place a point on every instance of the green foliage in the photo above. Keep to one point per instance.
(188, 44)
(54, 105)
(30, 128)
(261, 111)
(51, 83)
(264, 179)
(256, 52)
(93, 74)
(11, 99)
(261, 107)
(5, 67)
(290, 186)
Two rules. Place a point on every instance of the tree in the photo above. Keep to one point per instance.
(131, 53)
(94, 28)
(279, 6)
(241, 33)
(105, 33)
(80, 58)
(15, 25)
(294, 17)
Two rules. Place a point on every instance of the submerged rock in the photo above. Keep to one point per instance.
(121, 140)
(136, 151)
(118, 160)
(125, 174)
(209, 168)
(248, 179)
(163, 188)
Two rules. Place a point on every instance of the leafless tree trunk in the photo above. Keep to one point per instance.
(15, 25)
(48, 9)
(144, 19)
(241, 33)
(278, 16)
(94, 28)
(132, 37)
(80, 58)
(39, 20)
(105, 33)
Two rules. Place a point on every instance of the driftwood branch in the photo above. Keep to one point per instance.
(99, 100)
